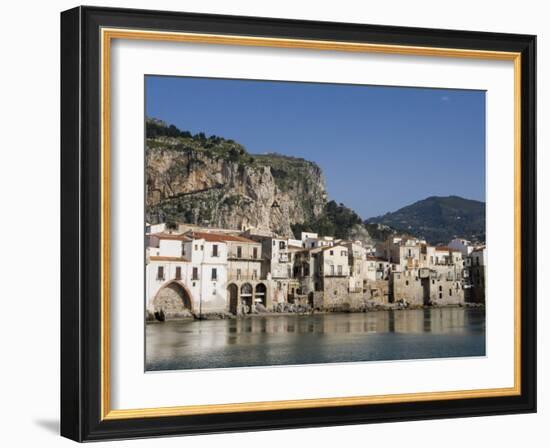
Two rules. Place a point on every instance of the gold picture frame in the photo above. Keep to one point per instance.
(108, 30)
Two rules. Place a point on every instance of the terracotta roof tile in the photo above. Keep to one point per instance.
(445, 249)
(170, 236)
(220, 237)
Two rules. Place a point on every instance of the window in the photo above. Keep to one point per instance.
(331, 269)
(274, 242)
(450, 292)
(195, 273)
(238, 274)
(254, 274)
(196, 247)
(178, 272)
(331, 252)
(160, 273)
(282, 245)
(239, 252)
(440, 288)
(343, 253)
(410, 254)
(407, 283)
(214, 250)
(433, 282)
(339, 269)
(202, 247)
(255, 252)
(312, 244)
(440, 295)
(214, 274)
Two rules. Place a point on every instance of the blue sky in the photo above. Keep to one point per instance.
(380, 148)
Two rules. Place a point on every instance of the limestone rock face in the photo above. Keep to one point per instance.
(230, 188)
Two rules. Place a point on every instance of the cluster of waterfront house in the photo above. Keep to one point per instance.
(200, 271)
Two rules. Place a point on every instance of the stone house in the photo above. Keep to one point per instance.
(276, 267)
(444, 285)
(464, 246)
(424, 274)
(476, 282)
(185, 275)
(407, 285)
(305, 272)
(333, 280)
(377, 268)
(357, 262)
(245, 285)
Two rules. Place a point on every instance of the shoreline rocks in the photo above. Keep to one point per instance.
(301, 310)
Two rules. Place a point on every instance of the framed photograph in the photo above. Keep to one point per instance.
(273, 223)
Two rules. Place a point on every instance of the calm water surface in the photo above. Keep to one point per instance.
(282, 340)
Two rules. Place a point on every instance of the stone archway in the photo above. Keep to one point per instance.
(246, 296)
(172, 300)
(260, 294)
(233, 294)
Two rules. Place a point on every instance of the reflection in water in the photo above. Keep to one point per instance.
(321, 338)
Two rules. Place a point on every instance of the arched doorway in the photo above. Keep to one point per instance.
(260, 294)
(172, 300)
(246, 296)
(233, 293)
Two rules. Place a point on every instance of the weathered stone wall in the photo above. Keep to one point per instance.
(378, 291)
(172, 302)
(336, 295)
(335, 291)
(446, 292)
(407, 286)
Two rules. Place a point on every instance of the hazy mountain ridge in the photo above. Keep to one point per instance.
(438, 219)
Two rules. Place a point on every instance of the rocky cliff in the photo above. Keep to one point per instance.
(215, 182)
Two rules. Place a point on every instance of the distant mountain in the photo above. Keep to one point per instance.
(438, 219)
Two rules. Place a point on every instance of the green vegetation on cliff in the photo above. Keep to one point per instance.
(160, 136)
(210, 180)
(336, 220)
